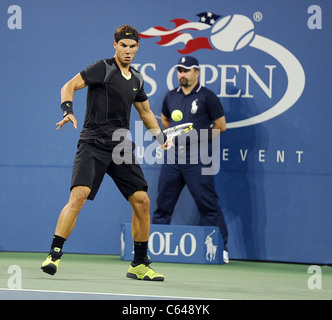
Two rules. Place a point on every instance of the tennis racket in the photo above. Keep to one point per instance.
(176, 131)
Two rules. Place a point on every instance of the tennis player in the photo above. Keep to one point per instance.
(113, 86)
(202, 107)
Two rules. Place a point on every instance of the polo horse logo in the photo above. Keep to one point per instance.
(194, 106)
(211, 249)
(123, 243)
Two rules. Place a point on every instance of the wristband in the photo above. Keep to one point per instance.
(161, 137)
(67, 108)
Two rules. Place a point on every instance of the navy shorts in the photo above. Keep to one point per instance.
(93, 160)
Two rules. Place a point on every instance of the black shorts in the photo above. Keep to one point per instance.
(93, 160)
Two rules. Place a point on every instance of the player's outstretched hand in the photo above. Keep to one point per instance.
(69, 117)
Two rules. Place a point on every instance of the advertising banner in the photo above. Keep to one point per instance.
(176, 243)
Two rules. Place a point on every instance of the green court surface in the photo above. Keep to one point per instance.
(102, 277)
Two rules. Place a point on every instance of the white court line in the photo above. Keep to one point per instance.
(105, 293)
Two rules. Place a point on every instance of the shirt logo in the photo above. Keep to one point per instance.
(194, 106)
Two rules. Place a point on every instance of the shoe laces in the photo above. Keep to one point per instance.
(56, 254)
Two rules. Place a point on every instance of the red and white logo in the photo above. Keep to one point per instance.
(178, 34)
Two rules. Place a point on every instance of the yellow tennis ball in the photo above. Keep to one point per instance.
(177, 115)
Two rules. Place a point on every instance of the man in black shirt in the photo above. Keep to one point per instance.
(113, 86)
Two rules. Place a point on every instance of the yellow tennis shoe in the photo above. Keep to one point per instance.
(52, 262)
(144, 272)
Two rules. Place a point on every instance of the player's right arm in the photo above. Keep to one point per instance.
(67, 94)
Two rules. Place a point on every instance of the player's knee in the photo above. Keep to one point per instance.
(78, 197)
(140, 200)
(144, 201)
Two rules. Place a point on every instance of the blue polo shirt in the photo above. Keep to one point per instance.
(201, 107)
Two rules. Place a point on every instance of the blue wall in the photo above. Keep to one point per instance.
(275, 182)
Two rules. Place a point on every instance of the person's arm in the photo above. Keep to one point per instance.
(220, 125)
(149, 120)
(147, 116)
(67, 94)
(165, 121)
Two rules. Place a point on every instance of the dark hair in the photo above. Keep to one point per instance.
(126, 32)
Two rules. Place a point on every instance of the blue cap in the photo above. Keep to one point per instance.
(188, 62)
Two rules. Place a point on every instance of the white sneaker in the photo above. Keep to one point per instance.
(225, 256)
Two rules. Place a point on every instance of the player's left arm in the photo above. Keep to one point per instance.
(165, 121)
(220, 126)
(147, 116)
(150, 121)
